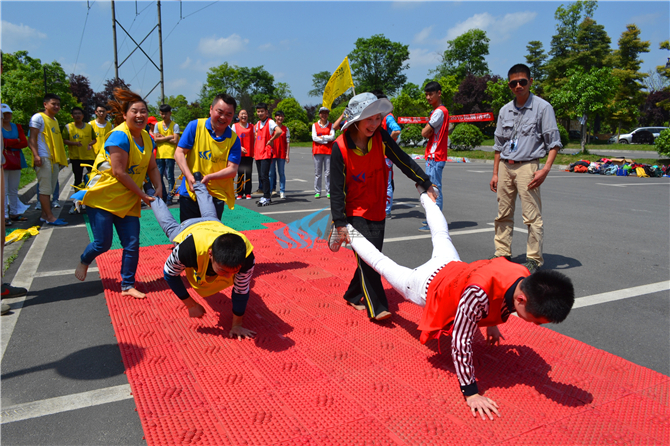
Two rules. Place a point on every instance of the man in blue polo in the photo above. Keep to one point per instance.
(209, 146)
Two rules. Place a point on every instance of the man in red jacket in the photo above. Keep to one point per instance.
(459, 297)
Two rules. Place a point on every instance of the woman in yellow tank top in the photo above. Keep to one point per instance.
(114, 192)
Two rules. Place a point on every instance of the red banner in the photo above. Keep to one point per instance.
(475, 117)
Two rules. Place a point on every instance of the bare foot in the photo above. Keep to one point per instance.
(80, 272)
(133, 292)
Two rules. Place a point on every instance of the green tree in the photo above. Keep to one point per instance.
(535, 59)
(247, 85)
(464, 55)
(22, 86)
(188, 113)
(377, 64)
(500, 94)
(299, 131)
(319, 82)
(663, 70)
(593, 46)
(627, 62)
(586, 94)
(292, 110)
(282, 91)
(465, 137)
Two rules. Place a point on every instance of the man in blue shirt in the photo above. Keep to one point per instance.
(209, 146)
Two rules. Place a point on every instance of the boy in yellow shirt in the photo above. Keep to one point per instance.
(166, 136)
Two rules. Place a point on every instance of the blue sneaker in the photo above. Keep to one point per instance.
(424, 228)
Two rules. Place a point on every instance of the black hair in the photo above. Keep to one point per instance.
(100, 105)
(519, 68)
(550, 295)
(50, 96)
(226, 98)
(165, 108)
(279, 113)
(75, 108)
(262, 105)
(380, 94)
(229, 250)
(432, 86)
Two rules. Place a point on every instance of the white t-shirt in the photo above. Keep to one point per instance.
(176, 128)
(37, 122)
(100, 126)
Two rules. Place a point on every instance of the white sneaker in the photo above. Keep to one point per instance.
(55, 204)
(38, 206)
(282, 195)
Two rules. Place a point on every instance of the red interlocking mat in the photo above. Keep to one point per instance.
(320, 373)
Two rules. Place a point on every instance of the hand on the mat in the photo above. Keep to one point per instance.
(240, 332)
(432, 193)
(194, 308)
(493, 335)
(481, 404)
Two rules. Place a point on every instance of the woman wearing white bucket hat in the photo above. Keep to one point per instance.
(359, 179)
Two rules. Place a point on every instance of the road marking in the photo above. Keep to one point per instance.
(626, 293)
(422, 236)
(480, 171)
(35, 409)
(26, 273)
(634, 184)
(63, 272)
(298, 179)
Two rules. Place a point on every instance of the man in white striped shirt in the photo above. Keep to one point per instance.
(212, 255)
(459, 297)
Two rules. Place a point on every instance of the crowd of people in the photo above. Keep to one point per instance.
(128, 161)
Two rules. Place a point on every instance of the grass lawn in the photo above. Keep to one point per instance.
(27, 174)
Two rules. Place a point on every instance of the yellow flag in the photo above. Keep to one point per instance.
(339, 82)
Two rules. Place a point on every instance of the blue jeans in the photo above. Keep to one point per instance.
(389, 186)
(128, 230)
(434, 170)
(166, 168)
(281, 164)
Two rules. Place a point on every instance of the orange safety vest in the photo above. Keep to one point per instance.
(442, 139)
(281, 144)
(263, 151)
(246, 136)
(322, 149)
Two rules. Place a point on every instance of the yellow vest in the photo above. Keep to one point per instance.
(204, 234)
(84, 137)
(209, 156)
(54, 140)
(104, 191)
(165, 150)
(100, 134)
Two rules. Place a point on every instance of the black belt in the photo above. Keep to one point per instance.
(515, 162)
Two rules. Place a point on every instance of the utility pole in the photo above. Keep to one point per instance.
(160, 49)
(116, 57)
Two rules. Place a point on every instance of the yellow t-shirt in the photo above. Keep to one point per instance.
(84, 136)
(165, 150)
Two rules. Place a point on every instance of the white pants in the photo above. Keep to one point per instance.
(12, 180)
(321, 168)
(411, 283)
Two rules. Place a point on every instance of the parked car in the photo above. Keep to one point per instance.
(627, 138)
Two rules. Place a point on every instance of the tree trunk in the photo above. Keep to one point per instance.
(583, 142)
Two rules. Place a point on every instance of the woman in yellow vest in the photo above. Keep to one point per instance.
(114, 192)
(80, 139)
(213, 255)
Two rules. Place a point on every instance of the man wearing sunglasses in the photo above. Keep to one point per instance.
(526, 131)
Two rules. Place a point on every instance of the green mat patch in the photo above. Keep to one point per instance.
(240, 219)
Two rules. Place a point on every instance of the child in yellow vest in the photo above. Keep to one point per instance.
(166, 135)
(213, 255)
(80, 138)
(101, 126)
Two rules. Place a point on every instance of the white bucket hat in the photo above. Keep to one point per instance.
(364, 105)
(6, 109)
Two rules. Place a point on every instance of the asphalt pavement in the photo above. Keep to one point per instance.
(610, 235)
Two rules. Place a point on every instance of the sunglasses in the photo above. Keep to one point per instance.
(522, 82)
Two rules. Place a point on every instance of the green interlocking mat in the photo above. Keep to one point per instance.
(240, 219)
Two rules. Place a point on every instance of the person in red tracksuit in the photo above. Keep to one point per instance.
(359, 178)
(459, 297)
(245, 131)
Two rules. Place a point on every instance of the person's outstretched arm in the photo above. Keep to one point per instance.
(181, 257)
(240, 297)
(406, 164)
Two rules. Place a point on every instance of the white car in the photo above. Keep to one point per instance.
(627, 138)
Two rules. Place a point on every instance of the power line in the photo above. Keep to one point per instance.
(74, 70)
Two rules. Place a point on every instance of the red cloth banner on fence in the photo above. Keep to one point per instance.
(475, 117)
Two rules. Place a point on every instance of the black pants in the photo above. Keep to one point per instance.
(78, 170)
(260, 177)
(367, 283)
(189, 208)
(244, 176)
(265, 177)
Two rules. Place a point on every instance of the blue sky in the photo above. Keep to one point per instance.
(292, 40)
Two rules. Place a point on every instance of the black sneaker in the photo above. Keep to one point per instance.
(495, 256)
(532, 265)
(13, 291)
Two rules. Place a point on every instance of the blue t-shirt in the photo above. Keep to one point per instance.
(120, 139)
(391, 125)
(187, 141)
(12, 134)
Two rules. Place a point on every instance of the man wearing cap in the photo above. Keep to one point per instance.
(323, 135)
(360, 177)
(525, 132)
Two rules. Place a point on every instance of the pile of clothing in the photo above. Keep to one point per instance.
(607, 166)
